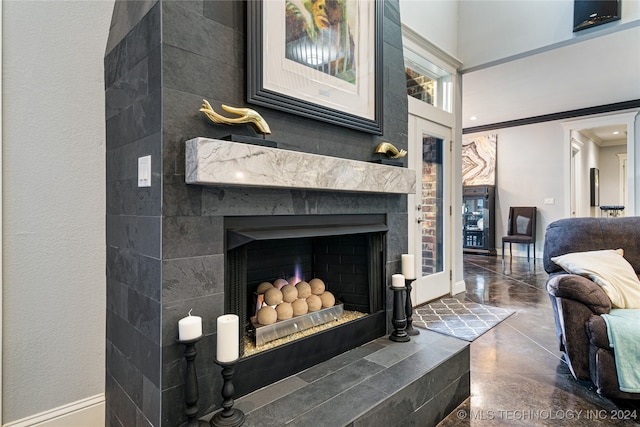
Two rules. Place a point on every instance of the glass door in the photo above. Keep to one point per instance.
(429, 209)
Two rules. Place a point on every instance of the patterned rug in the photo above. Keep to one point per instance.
(461, 319)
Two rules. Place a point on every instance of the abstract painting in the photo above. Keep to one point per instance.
(479, 160)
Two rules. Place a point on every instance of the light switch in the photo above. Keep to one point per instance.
(144, 171)
(549, 201)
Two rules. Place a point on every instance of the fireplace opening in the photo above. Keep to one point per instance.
(345, 252)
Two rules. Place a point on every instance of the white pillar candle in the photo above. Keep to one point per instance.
(189, 327)
(228, 342)
(397, 281)
(408, 266)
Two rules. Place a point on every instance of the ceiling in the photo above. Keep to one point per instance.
(567, 78)
(606, 136)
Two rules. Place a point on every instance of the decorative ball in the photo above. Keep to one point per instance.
(293, 280)
(263, 287)
(279, 283)
(328, 300)
(314, 302)
(267, 315)
(299, 307)
(317, 286)
(284, 311)
(273, 296)
(304, 290)
(289, 293)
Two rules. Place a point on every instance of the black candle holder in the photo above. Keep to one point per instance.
(409, 309)
(191, 393)
(399, 320)
(229, 416)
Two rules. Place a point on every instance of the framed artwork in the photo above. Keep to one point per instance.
(479, 160)
(320, 59)
(591, 13)
(594, 186)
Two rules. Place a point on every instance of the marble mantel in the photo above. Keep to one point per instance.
(217, 162)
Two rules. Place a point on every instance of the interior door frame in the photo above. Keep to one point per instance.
(629, 120)
(442, 281)
(452, 120)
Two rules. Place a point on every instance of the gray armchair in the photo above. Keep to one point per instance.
(579, 302)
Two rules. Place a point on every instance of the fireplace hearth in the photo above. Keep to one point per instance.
(346, 251)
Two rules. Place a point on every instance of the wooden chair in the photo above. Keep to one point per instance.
(521, 228)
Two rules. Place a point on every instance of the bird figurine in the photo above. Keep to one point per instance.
(246, 116)
(390, 150)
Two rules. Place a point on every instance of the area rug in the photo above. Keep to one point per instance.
(461, 319)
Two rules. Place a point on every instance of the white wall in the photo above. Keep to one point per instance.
(589, 158)
(491, 30)
(529, 164)
(610, 174)
(592, 73)
(53, 180)
(435, 20)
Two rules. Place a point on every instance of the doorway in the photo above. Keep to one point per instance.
(584, 145)
(429, 209)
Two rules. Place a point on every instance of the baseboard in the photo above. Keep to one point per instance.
(87, 412)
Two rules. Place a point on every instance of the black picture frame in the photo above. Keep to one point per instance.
(591, 13)
(257, 94)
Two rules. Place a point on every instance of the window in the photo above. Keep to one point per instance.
(427, 82)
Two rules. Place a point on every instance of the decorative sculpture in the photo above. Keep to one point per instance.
(390, 150)
(247, 116)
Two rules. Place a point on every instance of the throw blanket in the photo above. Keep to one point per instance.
(624, 337)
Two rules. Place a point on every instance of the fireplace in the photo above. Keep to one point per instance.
(347, 252)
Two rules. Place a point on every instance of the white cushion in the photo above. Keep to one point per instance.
(610, 270)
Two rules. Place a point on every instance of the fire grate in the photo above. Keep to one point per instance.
(262, 334)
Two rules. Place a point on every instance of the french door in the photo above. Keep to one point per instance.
(430, 209)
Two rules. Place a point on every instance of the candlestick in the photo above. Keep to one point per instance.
(228, 341)
(399, 320)
(408, 266)
(229, 416)
(397, 281)
(409, 310)
(191, 385)
(189, 327)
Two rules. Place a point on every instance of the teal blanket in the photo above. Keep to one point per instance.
(624, 337)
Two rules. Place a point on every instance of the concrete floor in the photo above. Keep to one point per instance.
(518, 376)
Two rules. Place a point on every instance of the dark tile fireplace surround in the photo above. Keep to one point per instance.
(166, 244)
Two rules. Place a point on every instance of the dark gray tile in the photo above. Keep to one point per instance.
(134, 233)
(342, 408)
(184, 236)
(187, 278)
(144, 315)
(289, 407)
(316, 372)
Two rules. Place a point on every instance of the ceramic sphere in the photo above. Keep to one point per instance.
(289, 293)
(317, 286)
(273, 296)
(299, 307)
(267, 315)
(284, 311)
(304, 290)
(314, 302)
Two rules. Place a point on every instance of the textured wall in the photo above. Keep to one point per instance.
(165, 251)
(53, 201)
